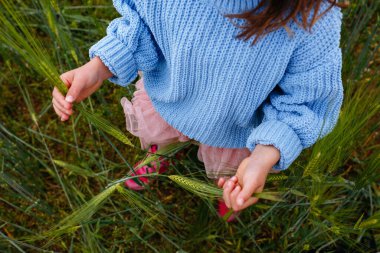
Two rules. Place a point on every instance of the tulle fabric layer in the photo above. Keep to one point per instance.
(144, 122)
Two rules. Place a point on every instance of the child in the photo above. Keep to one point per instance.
(252, 105)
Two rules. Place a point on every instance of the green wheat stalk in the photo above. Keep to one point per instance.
(312, 165)
(205, 190)
(73, 222)
(106, 126)
(272, 178)
(335, 162)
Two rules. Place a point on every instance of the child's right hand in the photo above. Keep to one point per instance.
(82, 82)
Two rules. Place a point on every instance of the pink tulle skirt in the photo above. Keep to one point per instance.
(143, 121)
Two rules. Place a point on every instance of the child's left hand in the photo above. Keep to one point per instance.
(250, 177)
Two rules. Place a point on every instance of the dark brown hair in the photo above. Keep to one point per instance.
(272, 16)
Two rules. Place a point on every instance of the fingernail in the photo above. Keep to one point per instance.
(233, 178)
(240, 201)
(69, 99)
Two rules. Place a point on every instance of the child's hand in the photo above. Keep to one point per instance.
(250, 177)
(82, 82)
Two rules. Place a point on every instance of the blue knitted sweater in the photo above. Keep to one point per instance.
(286, 90)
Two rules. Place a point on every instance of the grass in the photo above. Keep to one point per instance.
(60, 182)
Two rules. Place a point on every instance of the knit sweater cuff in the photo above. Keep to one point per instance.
(281, 136)
(117, 58)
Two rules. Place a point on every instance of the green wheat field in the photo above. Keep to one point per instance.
(61, 183)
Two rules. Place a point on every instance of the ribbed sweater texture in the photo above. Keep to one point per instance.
(285, 91)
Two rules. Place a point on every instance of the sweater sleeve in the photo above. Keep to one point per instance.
(128, 46)
(305, 105)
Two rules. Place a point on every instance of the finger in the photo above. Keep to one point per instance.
(234, 179)
(249, 202)
(61, 108)
(228, 187)
(247, 191)
(75, 90)
(74, 85)
(233, 196)
(61, 114)
(221, 182)
(58, 112)
(64, 117)
(61, 99)
(67, 78)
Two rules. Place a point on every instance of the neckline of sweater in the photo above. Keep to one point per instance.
(234, 6)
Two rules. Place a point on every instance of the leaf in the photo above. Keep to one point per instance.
(356, 226)
(297, 193)
(274, 196)
(371, 222)
(75, 169)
